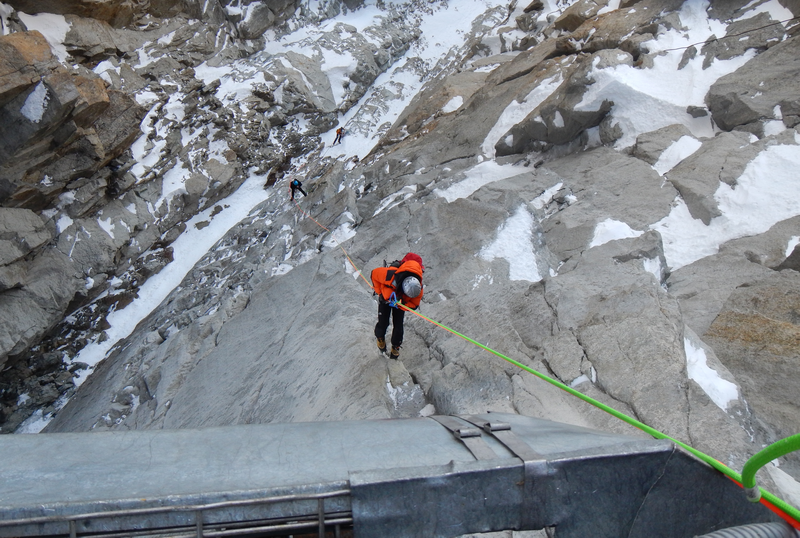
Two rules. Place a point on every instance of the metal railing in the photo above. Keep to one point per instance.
(200, 529)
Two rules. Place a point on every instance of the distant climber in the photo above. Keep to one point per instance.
(339, 135)
(401, 282)
(297, 186)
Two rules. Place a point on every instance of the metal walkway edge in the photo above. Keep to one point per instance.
(425, 477)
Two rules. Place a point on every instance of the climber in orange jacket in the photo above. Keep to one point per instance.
(401, 282)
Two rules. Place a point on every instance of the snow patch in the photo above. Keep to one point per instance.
(765, 194)
(453, 104)
(793, 242)
(63, 223)
(514, 243)
(675, 153)
(54, 28)
(107, 226)
(611, 230)
(36, 103)
(517, 111)
(720, 391)
(476, 177)
(396, 199)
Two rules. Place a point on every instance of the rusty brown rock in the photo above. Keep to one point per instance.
(19, 55)
(114, 12)
(757, 337)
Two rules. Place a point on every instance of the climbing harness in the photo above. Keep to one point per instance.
(746, 480)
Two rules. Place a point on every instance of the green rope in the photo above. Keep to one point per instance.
(775, 450)
(779, 503)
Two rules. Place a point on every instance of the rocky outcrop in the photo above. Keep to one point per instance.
(114, 12)
(58, 126)
(763, 90)
(114, 190)
(252, 18)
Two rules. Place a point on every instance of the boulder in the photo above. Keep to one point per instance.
(625, 28)
(310, 86)
(555, 120)
(577, 14)
(24, 56)
(650, 146)
(118, 127)
(699, 288)
(258, 18)
(524, 62)
(64, 128)
(94, 40)
(21, 231)
(432, 100)
(720, 159)
(749, 94)
(252, 18)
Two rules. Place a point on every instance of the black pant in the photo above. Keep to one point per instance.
(384, 311)
(298, 189)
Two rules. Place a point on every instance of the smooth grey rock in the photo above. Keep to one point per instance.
(12, 276)
(27, 313)
(700, 290)
(627, 323)
(21, 231)
(607, 184)
(564, 356)
(275, 325)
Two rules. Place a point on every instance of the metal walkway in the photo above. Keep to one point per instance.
(427, 477)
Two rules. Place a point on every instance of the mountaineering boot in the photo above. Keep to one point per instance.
(382, 345)
(395, 353)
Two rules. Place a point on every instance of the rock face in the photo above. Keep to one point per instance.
(101, 160)
(274, 324)
(757, 335)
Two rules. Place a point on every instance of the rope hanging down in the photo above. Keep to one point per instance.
(786, 511)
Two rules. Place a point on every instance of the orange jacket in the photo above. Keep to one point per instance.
(383, 282)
